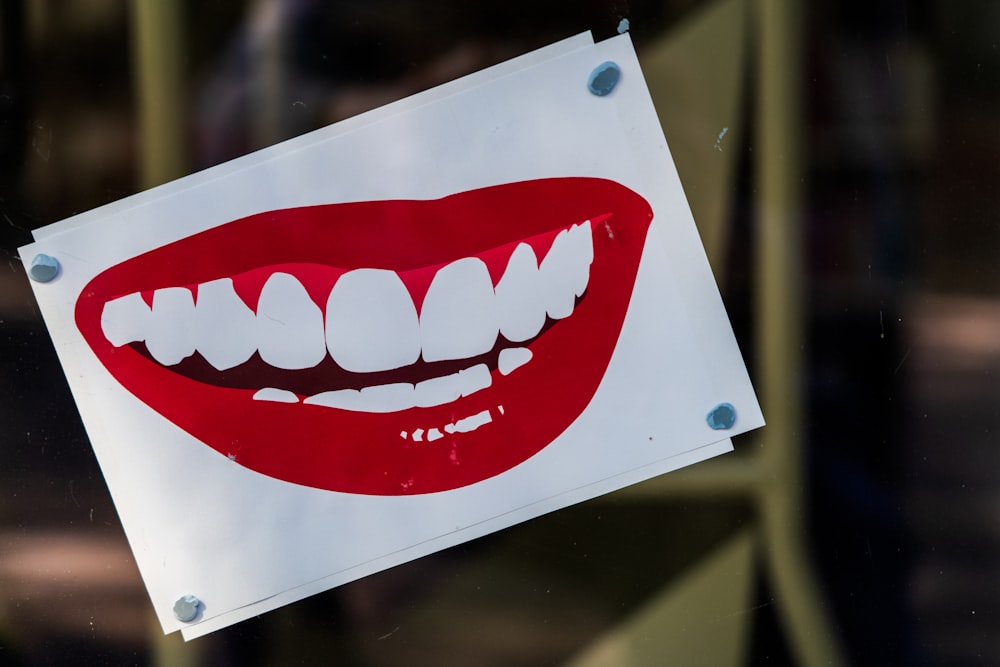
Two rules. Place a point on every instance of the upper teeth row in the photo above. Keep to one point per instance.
(370, 322)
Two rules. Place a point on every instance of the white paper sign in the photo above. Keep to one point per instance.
(393, 335)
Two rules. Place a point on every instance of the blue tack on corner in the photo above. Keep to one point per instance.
(186, 608)
(43, 268)
(722, 417)
(604, 78)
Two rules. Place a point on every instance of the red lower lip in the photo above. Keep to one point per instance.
(358, 452)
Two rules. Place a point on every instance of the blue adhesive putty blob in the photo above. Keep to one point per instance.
(186, 608)
(722, 417)
(623, 26)
(43, 268)
(604, 78)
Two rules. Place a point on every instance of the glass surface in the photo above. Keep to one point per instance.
(900, 320)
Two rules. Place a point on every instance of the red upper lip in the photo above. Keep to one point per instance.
(360, 452)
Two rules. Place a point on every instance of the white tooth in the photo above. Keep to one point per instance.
(473, 422)
(388, 397)
(418, 435)
(513, 358)
(224, 326)
(438, 391)
(458, 318)
(378, 398)
(169, 338)
(434, 434)
(371, 322)
(125, 320)
(275, 395)
(445, 389)
(475, 378)
(585, 238)
(403, 396)
(566, 269)
(519, 299)
(289, 325)
(344, 399)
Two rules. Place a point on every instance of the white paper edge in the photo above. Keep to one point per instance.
(535, 510)
(698, 310)
(688, 263)
(516, 64)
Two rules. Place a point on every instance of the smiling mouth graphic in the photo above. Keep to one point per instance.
(382, 348)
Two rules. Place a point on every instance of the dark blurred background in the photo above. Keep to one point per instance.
(896, 489)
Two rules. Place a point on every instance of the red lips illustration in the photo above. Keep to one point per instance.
(382, 347)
